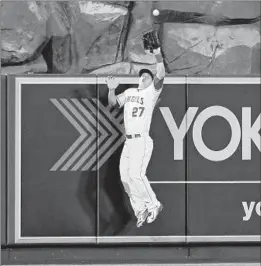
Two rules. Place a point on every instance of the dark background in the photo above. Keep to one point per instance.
(66, 200)
(216, 209)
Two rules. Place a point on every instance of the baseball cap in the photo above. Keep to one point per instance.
(145, 70)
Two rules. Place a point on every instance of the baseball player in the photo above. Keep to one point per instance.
(138, 106)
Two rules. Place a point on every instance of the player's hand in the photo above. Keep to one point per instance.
(112, 83)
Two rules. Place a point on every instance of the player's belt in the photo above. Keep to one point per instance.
(133, 136)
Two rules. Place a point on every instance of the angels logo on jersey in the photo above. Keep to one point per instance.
(136, 99)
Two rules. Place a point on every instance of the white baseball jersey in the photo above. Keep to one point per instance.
(138, 108)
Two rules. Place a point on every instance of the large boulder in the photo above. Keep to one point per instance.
(234, 51)
(23, 32)
(188, 48)
(96, 36)
(233, 61)
(98, 13)
(240, 35)
(195, 47)
(230, 9)
(63, 31)
(36, 66)
(108, 47)
(58, 52)
(62, 15)
(236, 9)
(33, 27)
(185, 6)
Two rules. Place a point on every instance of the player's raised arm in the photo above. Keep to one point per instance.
(152, 45)
(160, 74)
(112, 84)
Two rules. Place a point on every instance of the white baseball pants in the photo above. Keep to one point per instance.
(134, 161)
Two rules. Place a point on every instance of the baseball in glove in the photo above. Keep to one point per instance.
(151, 41)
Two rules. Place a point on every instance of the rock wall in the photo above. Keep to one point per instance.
(73, 37)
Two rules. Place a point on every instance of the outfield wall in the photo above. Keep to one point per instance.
(63, 145)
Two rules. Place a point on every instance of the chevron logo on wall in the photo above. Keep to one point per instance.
(101, 132)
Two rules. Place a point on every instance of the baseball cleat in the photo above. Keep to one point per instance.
(154, 213)
(142, 218)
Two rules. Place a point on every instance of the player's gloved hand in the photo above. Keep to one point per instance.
(112, 83)
(151, 42)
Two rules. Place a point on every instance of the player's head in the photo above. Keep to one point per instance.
(146, 78)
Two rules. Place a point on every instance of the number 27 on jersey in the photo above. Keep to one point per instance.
(137, 111)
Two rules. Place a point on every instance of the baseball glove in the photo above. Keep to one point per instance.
(151, 41)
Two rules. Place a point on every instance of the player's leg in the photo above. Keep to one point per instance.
(137, 206)
(148, 152)
(140, 153)
(154, 207)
